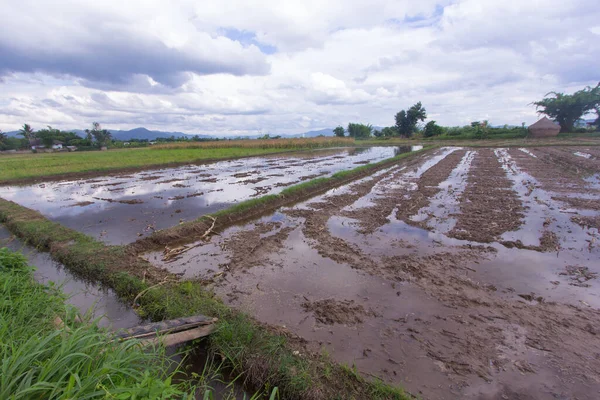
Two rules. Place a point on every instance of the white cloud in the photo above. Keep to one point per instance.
(171, 66)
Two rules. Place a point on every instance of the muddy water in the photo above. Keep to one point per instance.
(119, 209)
(446, 318)
(90, 299)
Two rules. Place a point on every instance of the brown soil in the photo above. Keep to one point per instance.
(587, 222)
(253, 181)
(195, 194)
(170, 180)
(578, 202)
(330, 311)
(208, 180)
(489, 205)
(132, 201)
(579, 275)
(82, 204)
(547, 174)
(245, 174)
(566, 159)
(250, 248)
(150, 178)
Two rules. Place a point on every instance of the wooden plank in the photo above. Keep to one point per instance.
(165, 327)
(180, 337)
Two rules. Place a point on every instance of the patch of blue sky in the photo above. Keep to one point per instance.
(247, 38)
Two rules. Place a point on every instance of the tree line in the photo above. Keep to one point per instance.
(47, 137)
(566, 109)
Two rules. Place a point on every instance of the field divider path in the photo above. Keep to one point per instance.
(265, 356)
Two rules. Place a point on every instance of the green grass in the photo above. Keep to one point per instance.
(25, 166)
(76, 361)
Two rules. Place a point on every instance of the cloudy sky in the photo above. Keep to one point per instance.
(275, 66)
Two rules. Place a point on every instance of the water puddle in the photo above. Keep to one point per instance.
(120, 209)
(584, 155)
(524, 150)
(87, 297)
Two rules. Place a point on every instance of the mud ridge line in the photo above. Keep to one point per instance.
(315, 220)
(411, 196)
(568, 160)
(254, 208)
(489, 206)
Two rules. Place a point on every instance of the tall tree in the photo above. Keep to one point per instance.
(339, 131)
(359, 131)
(406, 121)
(3, 137)
(101, 136)
(27, 132)
(567, 109)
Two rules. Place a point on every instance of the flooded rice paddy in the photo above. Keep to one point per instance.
(460, 273)
(119, 209)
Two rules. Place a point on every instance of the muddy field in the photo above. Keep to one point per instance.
(121, 208)
(460, 273)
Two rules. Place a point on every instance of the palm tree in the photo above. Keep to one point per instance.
(27, 132)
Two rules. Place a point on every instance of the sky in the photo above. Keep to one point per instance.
(233, 67)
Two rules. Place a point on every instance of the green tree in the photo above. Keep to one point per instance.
(359, 131)
(377, 133)
(3, 137)
(27, 132)
(567, 109)
(406, 121)
(101, 136)
(339, 131)
(432, 129)
(389, 131)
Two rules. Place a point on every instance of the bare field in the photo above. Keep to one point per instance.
(461, 273)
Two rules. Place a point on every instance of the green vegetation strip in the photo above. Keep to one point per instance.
(253, 208)
(263, 356)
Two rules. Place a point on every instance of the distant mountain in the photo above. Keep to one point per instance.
(143, 133)
(324, 132)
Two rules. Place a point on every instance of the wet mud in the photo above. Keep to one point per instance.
(457, 274)
(119, 209)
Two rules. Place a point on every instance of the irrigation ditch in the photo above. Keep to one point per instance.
(266, 356)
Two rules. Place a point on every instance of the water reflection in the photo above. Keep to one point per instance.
(119, 209)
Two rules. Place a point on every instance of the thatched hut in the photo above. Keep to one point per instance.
(544, 128)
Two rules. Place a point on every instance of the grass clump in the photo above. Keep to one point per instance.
(73, 361)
